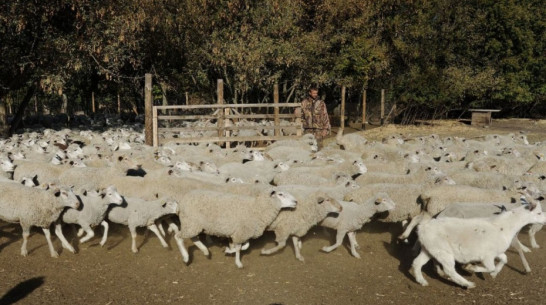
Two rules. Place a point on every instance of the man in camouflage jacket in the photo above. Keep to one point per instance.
(314, 115)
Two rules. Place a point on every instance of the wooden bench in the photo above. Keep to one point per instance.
(481, 117)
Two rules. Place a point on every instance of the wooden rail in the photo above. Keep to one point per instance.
(226, 117)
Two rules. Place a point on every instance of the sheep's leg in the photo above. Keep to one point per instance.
(230, 249)
(80, 232)
(502, 261)
(339, 240)
(154, 229)
(280, 244)
(297, 247)
(60, 235)
(49, 243)
(354, 244)
(448, 264)
(532, 231)
(26, 234)
(196, 241)
(104, 224)
(159, 225)
(413, 223)
(133, 237)
(417, 265)
(520, 245)
(182, 248)
(89, 234)
(238, 255)
(517, 245)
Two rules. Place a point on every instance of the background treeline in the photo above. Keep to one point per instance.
(435, 58)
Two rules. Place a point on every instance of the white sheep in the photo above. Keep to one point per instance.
(92, 213)
(135, 212)
(436, 199)
(312, 207)
(353, 216)
(483, 240)
(238, 217)
(35, 207)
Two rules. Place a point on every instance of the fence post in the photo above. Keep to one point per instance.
(382, 106)
(220, 96)
(148, 112)
(119, 105)
(364, 107)
(342, 111)
(3, 120)
(154, 123)
(276, 109)
(93, 102)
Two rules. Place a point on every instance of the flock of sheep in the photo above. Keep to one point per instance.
(468, 198)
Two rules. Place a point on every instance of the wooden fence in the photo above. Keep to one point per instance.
(226, 117)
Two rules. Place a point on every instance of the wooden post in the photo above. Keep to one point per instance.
(276, 109)
(35, 105)
(148, 111)
(220, 101)
(226, 124)
(382, 106)
(187, 98)
(154, 131)
(342, 111)
(363, 107)
(93, 102)
(3, 120)
(119, 105)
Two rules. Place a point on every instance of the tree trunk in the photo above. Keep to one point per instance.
(21, 110)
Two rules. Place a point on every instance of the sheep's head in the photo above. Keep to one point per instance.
(383, 203)
(67, 196)
(330, 204)
(286, 199)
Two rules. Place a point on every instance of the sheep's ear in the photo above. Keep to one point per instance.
(320, 200)
(272, 193)
(541, 198)
(57, 192)
(120, 158)
(84, 192)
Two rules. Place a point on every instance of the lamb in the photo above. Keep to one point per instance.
(92, 213)
(449, 240)
(136, 212)
(320, 175)
(7, 168)
(312, 207)
(238, 217)
(352, 142)
(35, 207)
(353, 216)
(436, 199)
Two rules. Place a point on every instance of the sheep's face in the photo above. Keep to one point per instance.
(360, 167)
(112, 194)
(67, 196)
(29, 182)
(234, 180)
(7, 165)
(286, 199)
(384, 203)
(171, 206)
(185, 166)
(532, 210)
(444, 180)
(208, 167)
(282, 166)
(330, 204)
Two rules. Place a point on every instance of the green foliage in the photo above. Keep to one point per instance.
(436, 56)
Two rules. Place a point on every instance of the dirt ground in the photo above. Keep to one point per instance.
(114, 275)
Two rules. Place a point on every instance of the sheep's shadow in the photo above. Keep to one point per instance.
(21, 290)
(10, 232)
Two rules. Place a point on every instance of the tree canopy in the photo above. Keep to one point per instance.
(435, 56)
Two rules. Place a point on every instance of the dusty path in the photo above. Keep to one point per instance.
(114, 275)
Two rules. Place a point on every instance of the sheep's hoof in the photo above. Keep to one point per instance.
(300, 258)
(102, 243)
(55, 255)
(471, 285)
(327, 249)
(403, 238)
(240, 266)
(24, 253)
(135, 251)
(356, 255)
